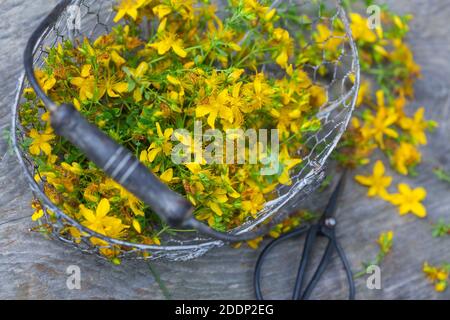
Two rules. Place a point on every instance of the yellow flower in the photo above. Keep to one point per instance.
(379, 126)
(39, 213)
(86, 84)
(360, 29)
(377, 183)
(163, 145)
(385, 241)
(254, 244)
(364, 91)
(405, 155)
(416, 126)
(46, 82)
(130, 200)
(115, 87)
(167, 42)
(182, 7)
(138, 76)
(162, 10)
(41, 141)
(288, 163)
(100, 222)
(409, 200)
(441, 286)
(259, 94)
(130, 8)
(253, 205)
(437, 275)
(167, 176)
(327, 39)
(216, 106)
(137, 226)
(90, 192)
(285, 43)
(75, 167)
(403, 54)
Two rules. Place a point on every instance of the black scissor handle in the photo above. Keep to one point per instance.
(265, 252)
(326, 258)
(312, 233)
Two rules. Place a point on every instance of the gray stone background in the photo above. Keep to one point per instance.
(32, 267)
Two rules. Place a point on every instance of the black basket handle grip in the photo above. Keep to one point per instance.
(121, 165)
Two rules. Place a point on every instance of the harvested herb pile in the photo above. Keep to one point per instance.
(193, 66)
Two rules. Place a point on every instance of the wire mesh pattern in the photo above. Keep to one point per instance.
(341, 83)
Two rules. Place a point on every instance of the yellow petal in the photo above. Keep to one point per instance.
(366, 181)
(419, 210)
(404, 188)
(235, 46)
(121, 87)
(212, 119)
(282, 59)
(118, 60)
(162, 25)
(77, 81)
(202, 110)
(141, 70)
(85, 70)
(102, 208)
(420, 194)
(46, 148)
(168, 133)
(37, 215)
(162, 47)
(284, 178)
(193, 167)
(167, 175)
(158, 130)
(120, 14)
(162, 10)
(153, 153)
(178, 49)
(380, 98)
(76, 104)
(87, 213)
(216, 208)
(133, 13)
(378, 169)
(137, 95)
(173, 80)
(137, 226)
(111, 93)
(143, 156)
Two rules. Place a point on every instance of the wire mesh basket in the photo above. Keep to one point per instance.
(93, 18)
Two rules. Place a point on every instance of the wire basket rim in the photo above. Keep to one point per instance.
(205, 242)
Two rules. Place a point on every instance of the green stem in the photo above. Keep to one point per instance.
(158, 279)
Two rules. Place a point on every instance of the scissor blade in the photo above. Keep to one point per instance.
(332, 203)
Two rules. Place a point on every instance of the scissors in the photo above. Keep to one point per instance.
(325, 227)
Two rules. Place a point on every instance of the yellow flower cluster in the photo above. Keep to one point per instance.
(381, 121)
(439, 276)
(407, 199)
(192, 66)
(385, 242)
